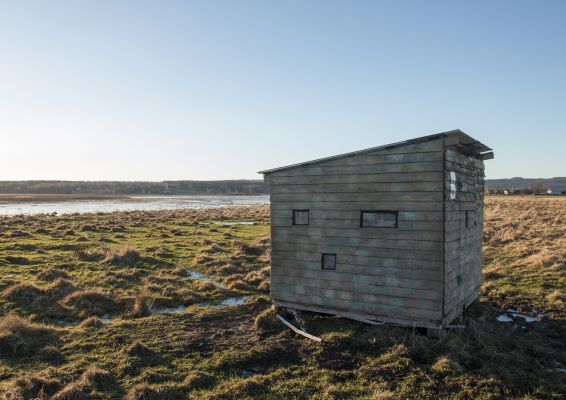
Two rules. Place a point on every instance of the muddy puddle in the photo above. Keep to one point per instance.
(199, 276)
(226, 302)
(510, 314)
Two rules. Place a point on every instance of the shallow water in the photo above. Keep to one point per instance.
(510, 313)
(134, 203)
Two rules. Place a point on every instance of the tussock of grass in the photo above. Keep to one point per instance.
(141, 307)
(156, 392)
(97, 378)
(264, 286)
(33, 386)
(90, 254)
(61, 287)
(70, 392)
(384, 395)
(127, 256)
(253, 387)
(92, 302)
(22, 293)
(445, 365)
(238, 285)
(138, 349)
(267, 321)
(199, 380)
(51, 274)
(91, 323)
(19, 336)
(205, 286)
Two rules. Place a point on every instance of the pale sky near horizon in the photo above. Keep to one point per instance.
(145, 90)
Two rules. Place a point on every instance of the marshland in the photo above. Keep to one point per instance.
(175, 304)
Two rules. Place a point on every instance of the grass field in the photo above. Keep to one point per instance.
(89, 310)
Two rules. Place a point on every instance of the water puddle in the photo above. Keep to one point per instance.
(226, 302)
(199, 276)
(233, 301)
(167, 310)
(510, 313)
(106, 319)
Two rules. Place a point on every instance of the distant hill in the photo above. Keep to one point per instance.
(556, 184)
(227, 187)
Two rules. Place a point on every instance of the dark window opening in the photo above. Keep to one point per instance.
(328, 261)
(300, 217)
(379, 219)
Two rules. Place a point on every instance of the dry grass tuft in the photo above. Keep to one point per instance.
(205, 286)
(91, 323)
(22, 292)
(61, 287)
(90, 254)
(97, 378)
(445, 365)
(147, 392)
(91, 301)
(19, 336)
(50, 274)
(267, 321)
(128, 256)
(141, 307)
(557, 298)
(33, 387)
(70, 392)
(138, 349)
(199, 380)
(384, 395)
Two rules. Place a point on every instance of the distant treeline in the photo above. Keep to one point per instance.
(526, 185)
(228, 187)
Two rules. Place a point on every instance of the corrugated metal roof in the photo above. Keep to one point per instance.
(463, 139)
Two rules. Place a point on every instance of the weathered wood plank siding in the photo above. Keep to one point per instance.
(463, 233)
(392, 274)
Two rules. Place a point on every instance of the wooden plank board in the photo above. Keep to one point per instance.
(288, 273)
(417, 206)
(365, 234)
(351, 268)
(408, 311)
(278, 239)
(384, 158)
(431, 145)
(356, 177)
(392, 295)
(423, 166)
(330, 215)
(359, 315)
(356, 187)
(356, 197)
(431, 226)
(346, 259)
(358, 251)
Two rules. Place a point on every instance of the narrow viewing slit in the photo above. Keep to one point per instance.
(379, 219)
(300, 217)
(328, 261)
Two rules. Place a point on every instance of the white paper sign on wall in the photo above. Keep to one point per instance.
(452, 185)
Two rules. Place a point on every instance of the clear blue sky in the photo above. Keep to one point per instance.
(152, 90)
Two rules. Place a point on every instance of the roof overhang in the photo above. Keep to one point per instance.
(451, 138)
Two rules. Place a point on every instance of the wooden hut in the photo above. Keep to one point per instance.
(391, 233)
